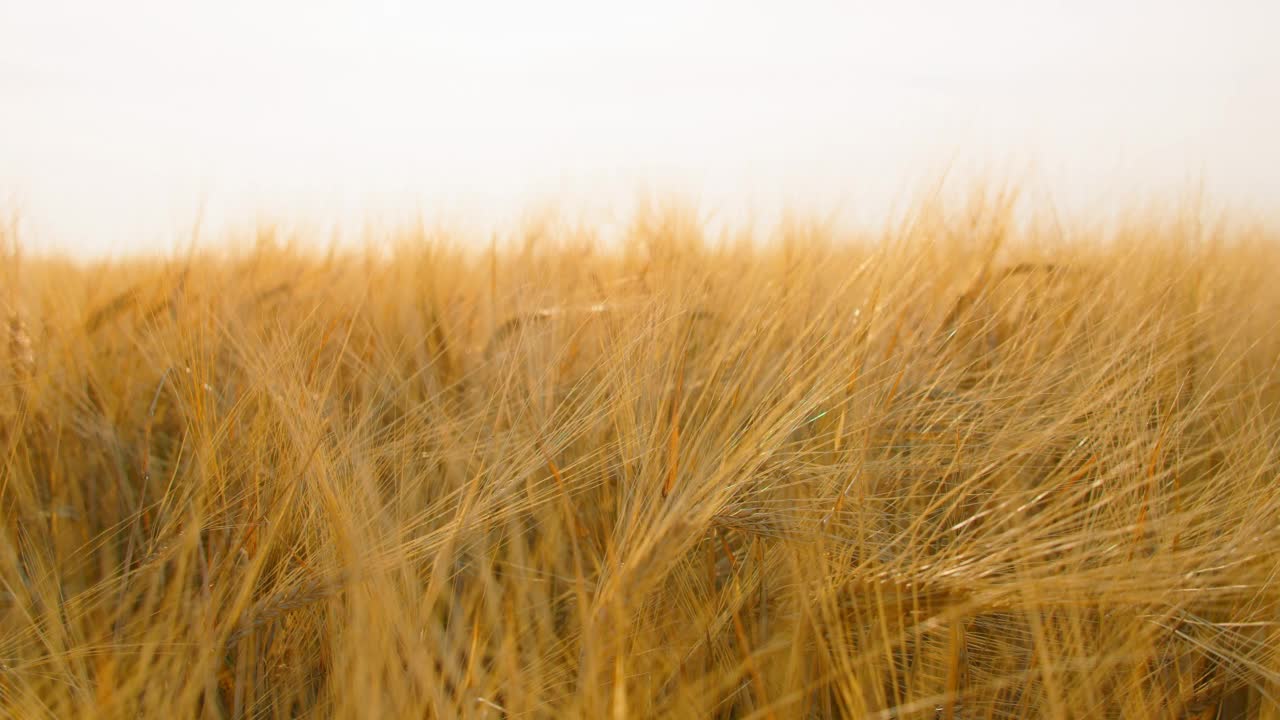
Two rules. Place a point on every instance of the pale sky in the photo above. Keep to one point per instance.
(118, 119)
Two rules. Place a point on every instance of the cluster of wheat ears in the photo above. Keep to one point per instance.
(961, 468)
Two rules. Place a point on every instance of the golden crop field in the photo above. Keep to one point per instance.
(967, 467)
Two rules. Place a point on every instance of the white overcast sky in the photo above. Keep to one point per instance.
(118, 119)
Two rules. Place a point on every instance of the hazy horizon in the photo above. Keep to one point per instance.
(124, 122)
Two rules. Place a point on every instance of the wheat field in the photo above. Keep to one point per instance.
(964, 467)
